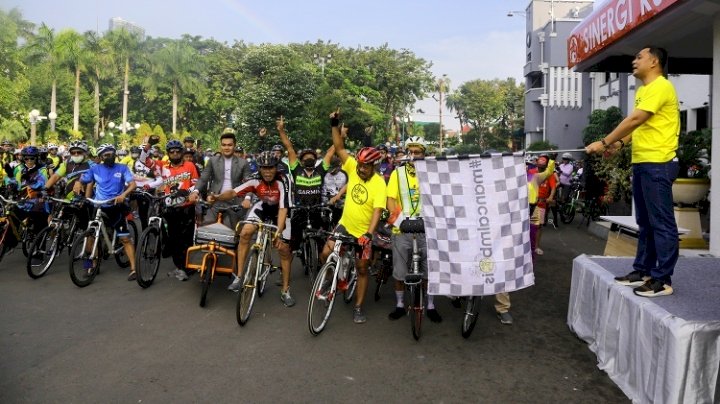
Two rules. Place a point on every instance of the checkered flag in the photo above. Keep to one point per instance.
(477, 224)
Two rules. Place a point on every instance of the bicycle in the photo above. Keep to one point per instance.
(470, 315)
(20, 231)
(58, 235)
(101, 246)
(573, 202)
(383, 265)
(258, 267)
(337, 274)
(413, 279)
(213, 252)
(311, 241)
(152, 239)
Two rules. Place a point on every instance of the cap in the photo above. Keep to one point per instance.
(230, 131)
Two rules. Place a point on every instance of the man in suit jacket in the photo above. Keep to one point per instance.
(221, 173)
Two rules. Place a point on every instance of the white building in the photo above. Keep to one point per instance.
(119, 23)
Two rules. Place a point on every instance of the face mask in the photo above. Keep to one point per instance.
(110, 161)
(176, 161)
(134, 156)
(77, 159)
(309, 163)
(249, 160)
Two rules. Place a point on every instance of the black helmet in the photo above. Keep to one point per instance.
(239, 149)
(135, 149)
(277, 147)
(189, 151)
(188, 139)
(381, 147)
(266, 159)
(303, 152)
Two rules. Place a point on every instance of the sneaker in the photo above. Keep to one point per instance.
(505, 318)
(654, 288)
(236, 284)
(539, 251)
(434, 316)
(634, 278)
(181, 275)
(359, 316)
(398, 313)
(132, 276)
(287, 300)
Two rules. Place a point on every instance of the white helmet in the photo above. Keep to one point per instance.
(415, 141)
(52, 146)
(567, 156)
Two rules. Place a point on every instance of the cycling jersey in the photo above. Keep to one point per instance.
(308, 187)
(273, 194)
(109, 181)
(72, 171)
(32, 179)
(54, 160)
(182, 177)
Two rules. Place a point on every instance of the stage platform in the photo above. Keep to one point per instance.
(657, 350)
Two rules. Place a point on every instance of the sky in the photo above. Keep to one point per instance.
(465, 39)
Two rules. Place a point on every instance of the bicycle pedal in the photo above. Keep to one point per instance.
(413, 279)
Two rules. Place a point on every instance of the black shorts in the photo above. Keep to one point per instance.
(116, 218)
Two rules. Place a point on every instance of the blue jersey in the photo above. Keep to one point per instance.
(109, 181)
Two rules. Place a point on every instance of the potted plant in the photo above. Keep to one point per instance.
(694, 153)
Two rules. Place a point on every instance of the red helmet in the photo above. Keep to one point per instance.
(368, 155)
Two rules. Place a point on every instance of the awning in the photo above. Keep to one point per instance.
(608, 39)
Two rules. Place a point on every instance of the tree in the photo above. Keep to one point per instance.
(123, 44)
(98, 61)
(180, 66)
(601, 123)
(73, 54)
(44, 49)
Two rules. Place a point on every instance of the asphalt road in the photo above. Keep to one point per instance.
(115, 342)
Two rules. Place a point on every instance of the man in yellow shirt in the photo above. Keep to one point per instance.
(364, 203)
(653, 127)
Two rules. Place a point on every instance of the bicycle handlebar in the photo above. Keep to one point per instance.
(98, 202)
(260, 223)
(339, 236)
(9, 201)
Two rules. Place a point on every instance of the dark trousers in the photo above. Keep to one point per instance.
(180, 231)
(658, 239)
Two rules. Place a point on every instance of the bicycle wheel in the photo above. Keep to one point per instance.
(4, 228)
(472, 305)
(567, 213)
(322, 298)
(206, 278)
(264, 269)
(246, 299)
(43, 252)
(83, 269)
(27, 237)
(415, 297)
(121, 257)
(310, 251)
(147, 256)
(382, 274)
(351, 285)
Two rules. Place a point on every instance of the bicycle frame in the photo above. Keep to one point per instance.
(98, 227)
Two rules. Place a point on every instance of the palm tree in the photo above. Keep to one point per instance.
(180, 66)
(98, 61)
(72, 53)
(123, 43)
(44, 49)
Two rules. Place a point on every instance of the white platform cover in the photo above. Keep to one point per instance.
(659, 350)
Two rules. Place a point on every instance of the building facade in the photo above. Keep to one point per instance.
(119, 23)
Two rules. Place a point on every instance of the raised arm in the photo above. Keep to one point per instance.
(338, 140)
(292, 156)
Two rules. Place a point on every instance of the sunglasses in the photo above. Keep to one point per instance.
(77, 153)
(174, 151)
(28, 158)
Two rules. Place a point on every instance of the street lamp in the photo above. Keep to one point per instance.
(52, 116)
(34, 117)
(322, 61)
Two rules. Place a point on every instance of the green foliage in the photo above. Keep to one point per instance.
(75, 135)
(601, 123)
(13, 131)
(541, 145)
(695, 153)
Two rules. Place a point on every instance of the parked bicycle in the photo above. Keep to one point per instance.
(153, 238)
(96, 244)
(258, 268)
(311, 240)
(470, 315)
(414, 287)
(13, 231)
(58, 235)
(338, 274)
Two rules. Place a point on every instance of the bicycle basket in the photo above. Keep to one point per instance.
(217, 232)
(412, 225)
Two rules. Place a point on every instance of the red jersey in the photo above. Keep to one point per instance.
(546, 186)
(271, 194)
(184, 176)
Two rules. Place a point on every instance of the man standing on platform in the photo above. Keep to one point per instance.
(653, 127)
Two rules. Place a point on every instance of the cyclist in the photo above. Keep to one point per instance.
(334, 189)
(147, 175)
(111, 180)
(53, 160)
(386, 167)
(403, 200)
(30, 178)
(271, 190)
(307, 178)
(546, 195)
(179, 175)
(71, 171)
(278, 152)
(565, 169)
(362, 210)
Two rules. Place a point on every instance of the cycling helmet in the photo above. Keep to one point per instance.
(173, 144)
(189, 151)
(42, 149)
(303, 152)
(135, 149)
(52, 146)
(30, 151)
(78, 144)
(17, 151)
(415, 141)
(188, 139)
(266, 159)
(122, 153)
(5, 143)
(368, 155)
(104, 148)
(567, 156)
(277, 147)
(382, 147)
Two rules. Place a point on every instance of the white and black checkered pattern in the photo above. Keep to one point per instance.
(465, 257)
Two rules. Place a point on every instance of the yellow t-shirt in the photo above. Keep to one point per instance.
(656, 140)
(361, 200)
(393, 190)
(128, 161)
